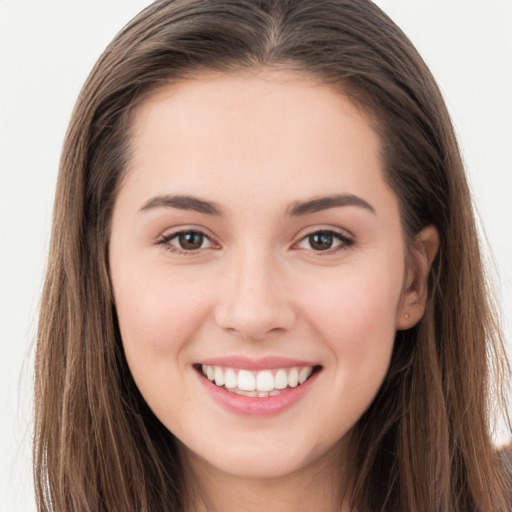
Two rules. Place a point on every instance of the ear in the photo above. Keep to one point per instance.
(422, 252)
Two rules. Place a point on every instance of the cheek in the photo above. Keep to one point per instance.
(158, 317)
(357, 326)
(356, 320)
(157, 314)
(355, 306)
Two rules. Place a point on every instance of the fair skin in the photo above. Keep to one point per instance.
(248, 279)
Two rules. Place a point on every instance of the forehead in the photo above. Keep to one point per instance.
(267, 133)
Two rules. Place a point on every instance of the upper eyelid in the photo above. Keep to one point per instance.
(346, 241)
(336, 234)
(344, 233)
(164, 242)
(175, 235)
(171, 233)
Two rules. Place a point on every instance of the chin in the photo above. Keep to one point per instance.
(265, 456)
(262, 465)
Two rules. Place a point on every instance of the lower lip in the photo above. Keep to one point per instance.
(254, 406)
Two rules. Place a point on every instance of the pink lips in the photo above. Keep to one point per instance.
(255, 406)
(264, 363)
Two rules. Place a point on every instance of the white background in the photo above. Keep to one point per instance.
(46, 51)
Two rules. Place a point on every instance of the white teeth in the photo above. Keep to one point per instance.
(304, 374)
(245, 393)
(281, 380)
(265, 381)
(293, 378)
(246, 381)
(230, 378)
(261, 384)
(219, 376)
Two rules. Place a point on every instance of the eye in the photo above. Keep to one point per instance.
(187, 241)
(325, 241)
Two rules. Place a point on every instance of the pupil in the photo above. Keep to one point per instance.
(191, 240)
(321, 241)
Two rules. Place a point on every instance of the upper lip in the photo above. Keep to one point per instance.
(263, 363)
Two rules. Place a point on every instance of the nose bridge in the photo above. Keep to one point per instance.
(255, 302)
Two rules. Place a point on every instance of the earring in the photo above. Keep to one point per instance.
(406, 316)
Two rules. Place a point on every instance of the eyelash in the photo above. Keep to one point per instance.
(345, 242)
(165, 242)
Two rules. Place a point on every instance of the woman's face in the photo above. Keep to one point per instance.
(255, 239)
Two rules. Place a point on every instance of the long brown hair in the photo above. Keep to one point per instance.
(425, 442)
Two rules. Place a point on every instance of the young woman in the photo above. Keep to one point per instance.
(265, 290)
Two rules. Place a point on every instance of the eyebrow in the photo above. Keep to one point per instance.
(296, 209)
(182, 202)
(300, 208)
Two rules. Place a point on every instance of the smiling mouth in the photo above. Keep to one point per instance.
(263, 383)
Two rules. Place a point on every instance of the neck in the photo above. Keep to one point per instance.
(318, 486)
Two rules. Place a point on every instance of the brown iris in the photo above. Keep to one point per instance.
(190, 240)
(320, 241)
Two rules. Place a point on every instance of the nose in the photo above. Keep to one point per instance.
(254, 300)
